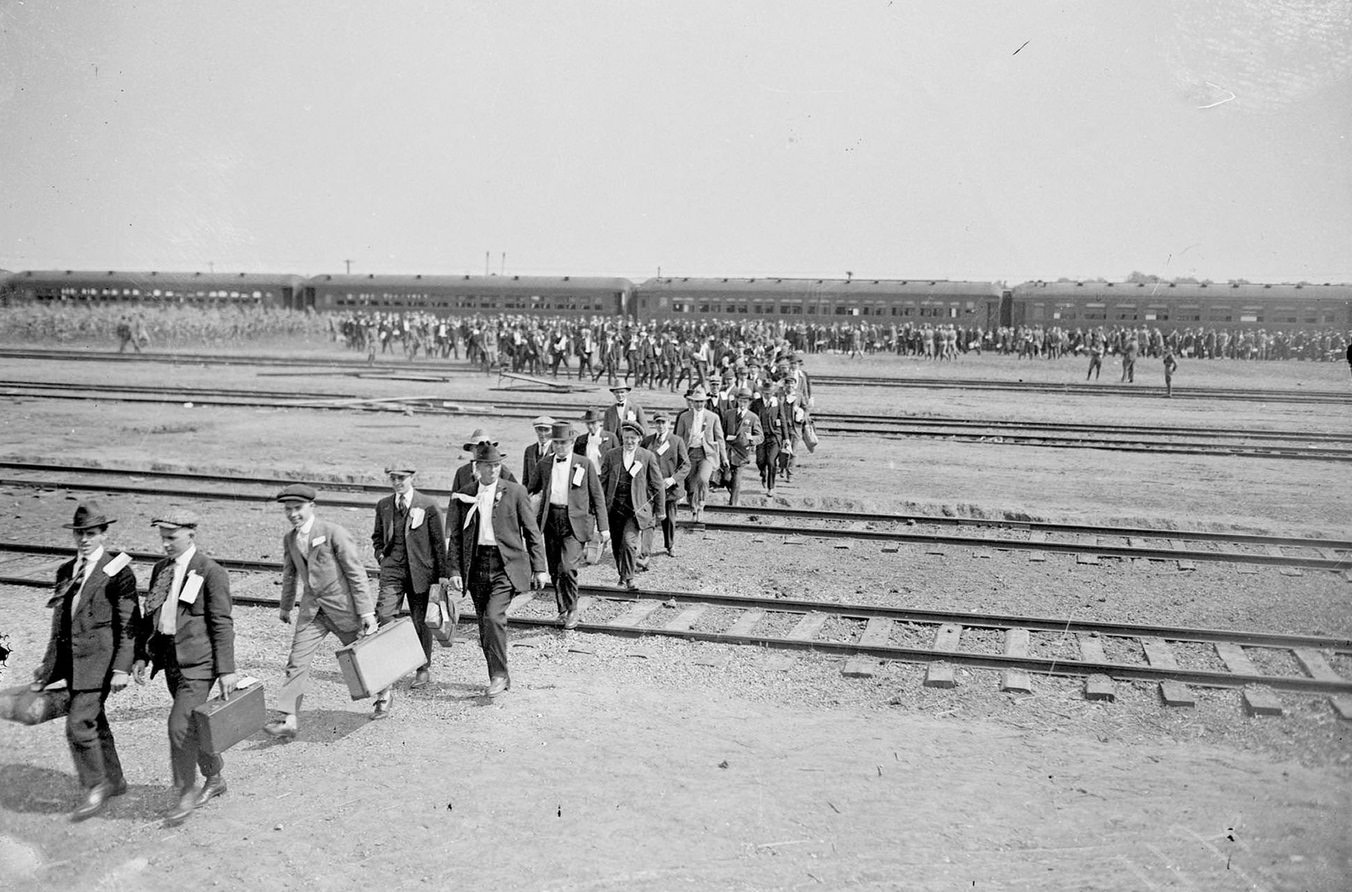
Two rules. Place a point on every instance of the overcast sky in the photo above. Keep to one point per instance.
(990, 140)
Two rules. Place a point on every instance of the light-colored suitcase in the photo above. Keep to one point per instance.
(377, 661)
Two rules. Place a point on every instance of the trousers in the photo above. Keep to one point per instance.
(91, 740)
(563, 552)
(303, 646)
(491, 590)
(185, 756)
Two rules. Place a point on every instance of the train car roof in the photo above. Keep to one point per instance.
(156, 277)
(479, 284)
(1185, 290)
(822, 287)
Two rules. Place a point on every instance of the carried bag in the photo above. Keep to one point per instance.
(223, 722)
(443, 613)
(19, 704)
(377, 661)
(810, 439)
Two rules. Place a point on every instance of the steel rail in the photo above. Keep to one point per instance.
(852, 517)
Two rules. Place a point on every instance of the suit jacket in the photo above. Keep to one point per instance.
(774, 419)
(529, 460)
(424, 541)
(743, 437)
(204, 642)
(632, 412)
(101, 636)
(673, 458)
(586, 505)
(331, 576)
(712, 438)
(607, 440)
(646, 490)
(519, 540)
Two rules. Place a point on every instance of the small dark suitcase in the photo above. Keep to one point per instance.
(443, 613)
(222, 723)
(377, 661)
(19, 704)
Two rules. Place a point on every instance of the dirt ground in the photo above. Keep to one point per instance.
(625, 764)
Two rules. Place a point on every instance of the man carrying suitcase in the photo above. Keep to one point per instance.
(334, 596)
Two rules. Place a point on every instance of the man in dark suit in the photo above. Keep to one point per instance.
(673, 463)
(635, 498)
(530, 459)
(624, 409)
(320, 559)
(188, 632)
(465, 473)
(571, 509)
(409, 542)
(92, 643)
(774, 421)
(494, 558)
(744, 434)
(593, 444)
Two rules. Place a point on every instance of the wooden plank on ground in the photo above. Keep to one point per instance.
(1183, 563)
(1016, 681)
(1175, 693)
(714, 659)
(1342, 705)
(634, 615)
(947, 638)
(1087, 557)
(1234, 658)
(746, 622)
(1091, 649)
(686, 618)
(807, 627)
(877, 633)
(1159, 654)
(1261, 701)
(1313, 662)
(940, 675)
(860, 667)
(1037, 537)
(1100, 687)
(1246, 569)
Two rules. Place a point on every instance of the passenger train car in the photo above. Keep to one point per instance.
(882, 302)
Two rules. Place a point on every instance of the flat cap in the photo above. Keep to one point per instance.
(175, 518)
(297, 492)
(631, 426)
(543, 421)
(401, 469)
(659, 416)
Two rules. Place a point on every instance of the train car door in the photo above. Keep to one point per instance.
(288, 297)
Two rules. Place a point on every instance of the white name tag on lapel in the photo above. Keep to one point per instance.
(578, 473)
(114, 567)
(662, 450)
(415, 517)
(635, 468)
(318, 540)
(191, 586)
(629, 416)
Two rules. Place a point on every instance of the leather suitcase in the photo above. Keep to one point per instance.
(443, 613)
(19, 704)
(377, 661)
(223, 723)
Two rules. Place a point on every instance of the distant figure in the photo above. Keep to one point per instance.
(1095, 359)
(124, 335)
(1169, 365)
(1349, 356)
(1129, 361)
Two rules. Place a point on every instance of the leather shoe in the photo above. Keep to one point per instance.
(281, 729)
(187, 801)
(498, 685)
(117, 788)
(96, 797)
(571, 619)
(630, 585)
(421, 680)
(383, 707)
(215, 786)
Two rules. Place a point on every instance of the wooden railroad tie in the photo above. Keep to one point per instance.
(946, 640)
(1037, 537)
(1016, 681)
(876, 633)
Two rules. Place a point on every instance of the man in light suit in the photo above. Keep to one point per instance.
(624, 409)
(530, 459)
(410, 544)
(92, 643)
(496, 558)
(635, 498)
(571, 509)
(334, 595)
(673, 463)
(701, 430)
(187, 631)
(744, 434)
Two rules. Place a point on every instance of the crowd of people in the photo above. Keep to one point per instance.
(179, 325)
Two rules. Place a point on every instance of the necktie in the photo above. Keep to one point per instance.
(403, 505)
(160, 592)
(77, 583)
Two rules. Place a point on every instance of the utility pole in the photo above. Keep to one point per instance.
(349, 266)
(211, 266)
(486, 253)
(502, 270)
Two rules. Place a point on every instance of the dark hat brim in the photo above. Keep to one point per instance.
(90, 524)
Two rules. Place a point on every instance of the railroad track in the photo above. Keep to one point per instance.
(355, 364)
(1307, 446)
(1088, 543)
(1021, 648)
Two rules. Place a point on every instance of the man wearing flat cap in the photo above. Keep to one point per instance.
(495, 551)
(92, 643)
(334, 595)
(410, 544)
(635, 500)
(673, 463)
(188, 632)
(571, 510)
(623, 410)
(535, 452)
(744, 434)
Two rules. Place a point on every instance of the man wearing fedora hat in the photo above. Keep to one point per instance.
(744, 434)
(187, 631)
(623, 409)
(495, 551)
(410, 543)
(635, 499)
(593, 444)
(91, 647)
(465, 473)
(673, 463)
(702, 431)
(334, 595)
(571, 510)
